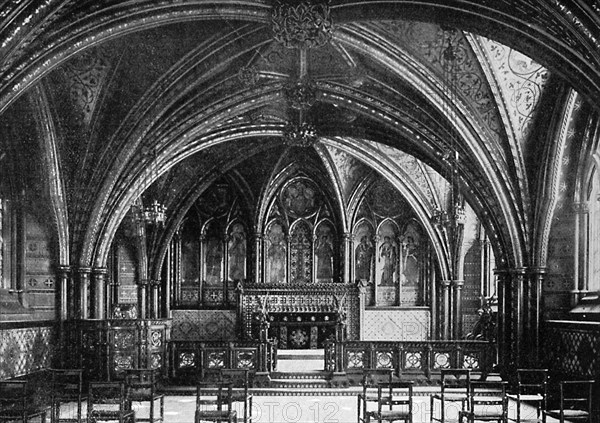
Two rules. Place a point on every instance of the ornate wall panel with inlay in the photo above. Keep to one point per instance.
(396, 325)
(204, 325)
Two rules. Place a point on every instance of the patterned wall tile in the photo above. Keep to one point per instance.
(396, 325)
(25, 350)
(204, 325)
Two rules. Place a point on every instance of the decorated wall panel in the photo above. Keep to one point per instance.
(276, 254)
(40, 281)
(396, 325)
(364, 253)
(25, 350)
(236, 249)
(127, 274)
(204, 325)
(390, 250)
(471, 293)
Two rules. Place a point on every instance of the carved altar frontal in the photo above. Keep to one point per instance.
(310, 304)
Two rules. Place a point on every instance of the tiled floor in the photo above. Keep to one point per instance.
(306, 409)
(299, 409)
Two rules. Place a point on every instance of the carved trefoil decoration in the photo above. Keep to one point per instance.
(302, 135)
(302, 25)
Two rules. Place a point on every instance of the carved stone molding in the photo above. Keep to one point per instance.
(302, 135)
(302, 25)
(301, 95)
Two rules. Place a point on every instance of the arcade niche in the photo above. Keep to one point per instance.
(301, 237)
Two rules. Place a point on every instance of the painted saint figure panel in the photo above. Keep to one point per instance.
(276, 254)
(236, 247)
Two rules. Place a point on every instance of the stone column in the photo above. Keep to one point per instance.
(154, 295)
(258, 243)
(83, 274)
(511, 318)
(142, 298)
(533, 321)
(348, 247)
(519, 311)
(457, 286)
(580, 245)
(503, 337)
(113, 296)
(65, 306)
(445, 312)
(98, 309)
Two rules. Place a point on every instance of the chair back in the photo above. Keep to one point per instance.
(394, 396)
(141, 384)
(214, 394)
(67, 384)
(106, 397)
(455, 380)
(373, 377)
(488, 399)
(532, 381)
(576, 395)
(13, 397)
(238, 377)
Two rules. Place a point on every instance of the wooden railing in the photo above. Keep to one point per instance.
(420, 360)
(107, 348)
(190, 361)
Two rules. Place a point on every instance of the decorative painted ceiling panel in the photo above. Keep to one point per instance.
(414, 168)
(427, 42)
(87, 74)
(349, 170)
(521, 81)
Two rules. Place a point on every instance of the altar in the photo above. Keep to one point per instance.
(302, 330)
(300, 316)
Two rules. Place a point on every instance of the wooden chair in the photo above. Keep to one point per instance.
(487, 402)
(67, 387)
(210, 401)
(394, 402)
(17, 402)
(240, 378)
(370, 382)
(532, 389)
(455, 385)
(107, 401)
(575, 402)
(142, 386)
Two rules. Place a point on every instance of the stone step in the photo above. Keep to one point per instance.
(299, 383)
(316, 374)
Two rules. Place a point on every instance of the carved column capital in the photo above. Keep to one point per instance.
(457, 283)
(84, 270)
(99, 271)
(581, 208)
(64, 269)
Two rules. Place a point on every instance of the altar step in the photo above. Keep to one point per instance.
(300, 361)
(302, 380)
